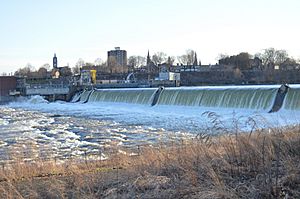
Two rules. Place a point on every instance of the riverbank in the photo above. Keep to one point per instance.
(260, 164)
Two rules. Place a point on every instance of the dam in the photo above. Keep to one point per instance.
(264, 98)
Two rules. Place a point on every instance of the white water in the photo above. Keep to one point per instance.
(63, 129)
(135, 96)
(292, 100)
(258, 98)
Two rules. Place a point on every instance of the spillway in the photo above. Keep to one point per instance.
(76, 97)
(260, 98)
(292, 100)
(134, 96)
(84, 97)
(237, 97)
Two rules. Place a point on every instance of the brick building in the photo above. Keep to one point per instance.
(7, 84)
(117, 57)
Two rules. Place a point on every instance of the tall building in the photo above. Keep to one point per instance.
(117, 57)
(54, 61)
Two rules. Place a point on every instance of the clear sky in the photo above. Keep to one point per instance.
(33, 30)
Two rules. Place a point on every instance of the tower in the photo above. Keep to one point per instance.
(195, 60)
(148, 59)
(54, 61)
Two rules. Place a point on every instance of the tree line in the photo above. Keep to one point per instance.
(268, 58)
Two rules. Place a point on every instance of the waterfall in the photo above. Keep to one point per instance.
(76, 97)
(84, 97)
(292, 100)
(240, 97)
(267, 98)
(134, 96)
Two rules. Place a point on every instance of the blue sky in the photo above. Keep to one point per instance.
(33, 30)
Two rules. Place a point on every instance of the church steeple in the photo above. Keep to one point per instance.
(195, 60)
(54, 61)
(148, 58)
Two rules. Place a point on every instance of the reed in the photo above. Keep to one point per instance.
(260, 164)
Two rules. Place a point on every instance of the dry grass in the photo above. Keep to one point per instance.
(262, 164)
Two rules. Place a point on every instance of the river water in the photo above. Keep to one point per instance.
(34, 128)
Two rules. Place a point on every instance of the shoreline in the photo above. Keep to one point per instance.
(259, 164)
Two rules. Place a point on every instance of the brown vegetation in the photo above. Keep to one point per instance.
(262, 164)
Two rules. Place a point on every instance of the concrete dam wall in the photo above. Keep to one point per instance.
(265, 98)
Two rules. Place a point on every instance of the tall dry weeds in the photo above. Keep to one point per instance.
(263, 163)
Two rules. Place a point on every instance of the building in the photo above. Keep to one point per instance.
(58, 72)
(169, 76)
(117, 57)
(7, 87)
(150, 65)
(54, 61)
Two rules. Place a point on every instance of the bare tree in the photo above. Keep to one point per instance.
(98, 62)
(80, 63)
(76, 69)
(171, 60)
(25, 71)
(222, 56)
(188, 58)
(159, 58)
(281, 56)
(271, 56)
(268, 56)
(30, 67)
(141, 61)
(132, 61)
(183, 59)
(46, 66)
(136, 62)
(88, 64)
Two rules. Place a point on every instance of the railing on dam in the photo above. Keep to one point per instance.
(53, 89)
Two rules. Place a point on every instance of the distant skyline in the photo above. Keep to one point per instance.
(32, 31)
